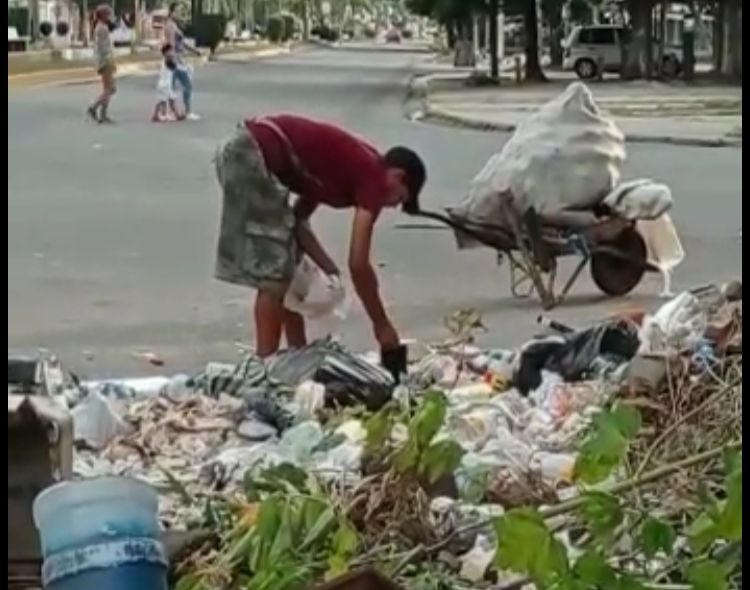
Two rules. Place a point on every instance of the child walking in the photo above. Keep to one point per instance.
(166, 95)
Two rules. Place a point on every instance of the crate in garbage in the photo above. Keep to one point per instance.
(40, 452)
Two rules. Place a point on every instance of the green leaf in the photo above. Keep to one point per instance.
(311, 511)
(319, 531)
(407, 457)
(626, 582)
(429, 418)
(439, 459)
(627, 419)
(284, 539)
(607, 444)
(702, 532)
(593, 571)
(283, 478)
(378, 428)
(525, 545)
(723, 519)
(729, 523)
(656, 535)
(601, 512)
(345, 541)
(707, 575)
(344, 546)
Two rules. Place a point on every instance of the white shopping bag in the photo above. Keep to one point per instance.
(316, 295)
(663, 246)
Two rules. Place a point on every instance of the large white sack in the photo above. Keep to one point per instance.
(565, 155)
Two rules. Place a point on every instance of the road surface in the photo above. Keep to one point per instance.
(111, 231)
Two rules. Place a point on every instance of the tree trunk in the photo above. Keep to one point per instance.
(648, 56)
(663, 8)
(718, 48)
(732, 59)
(557, 34)
(531, 26)
(492, 15)
(450, 30)
(305, 21)
(636, 52)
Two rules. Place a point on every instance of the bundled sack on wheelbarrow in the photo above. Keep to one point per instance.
(561, 170)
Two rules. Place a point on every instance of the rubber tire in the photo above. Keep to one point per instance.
(586, 69)
(670, 68)
(617, 277)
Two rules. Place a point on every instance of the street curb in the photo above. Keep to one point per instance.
(432, 113)
(419, 89)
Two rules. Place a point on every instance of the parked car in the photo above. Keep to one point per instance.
(590, 48)
(393, 36)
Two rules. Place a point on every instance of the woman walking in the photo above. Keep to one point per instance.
(105, 64)
(174, 37)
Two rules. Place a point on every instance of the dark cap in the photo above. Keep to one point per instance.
(415, 173)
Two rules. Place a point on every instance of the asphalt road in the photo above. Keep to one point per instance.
(111, 231)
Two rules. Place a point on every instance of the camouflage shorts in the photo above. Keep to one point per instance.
(257, 246)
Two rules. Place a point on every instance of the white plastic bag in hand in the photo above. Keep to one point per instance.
(314, 294)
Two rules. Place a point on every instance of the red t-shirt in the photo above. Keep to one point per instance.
(341, 170)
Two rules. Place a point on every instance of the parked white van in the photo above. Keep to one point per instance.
(595, 47)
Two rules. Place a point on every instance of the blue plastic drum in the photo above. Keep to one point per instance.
(100, 533)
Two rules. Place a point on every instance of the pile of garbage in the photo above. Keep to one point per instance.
(324, 448)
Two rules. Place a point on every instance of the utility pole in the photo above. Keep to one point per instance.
(85, 22)
(494, 34)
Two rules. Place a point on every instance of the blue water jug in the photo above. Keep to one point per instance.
(100, 533)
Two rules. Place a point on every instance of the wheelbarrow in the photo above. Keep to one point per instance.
(532, 243)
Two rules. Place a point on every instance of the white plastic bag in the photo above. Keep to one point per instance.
(96, 422)
(316, 295)
(663, 247)
(678, 324)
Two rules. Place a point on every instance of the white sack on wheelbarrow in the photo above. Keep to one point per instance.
(639, 199)
(566, 155)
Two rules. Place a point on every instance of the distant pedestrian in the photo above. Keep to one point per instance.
(166, 96)
(104, 54)
(174, 36)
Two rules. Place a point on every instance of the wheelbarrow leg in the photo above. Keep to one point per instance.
(548, 299)
(516, 281)
(573, 277)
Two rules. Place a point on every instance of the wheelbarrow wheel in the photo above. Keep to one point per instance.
(618, 275)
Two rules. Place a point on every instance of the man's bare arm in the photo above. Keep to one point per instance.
(366, 281)
(307, 239)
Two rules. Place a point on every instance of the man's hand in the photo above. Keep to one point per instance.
(387, 336)
(307, 239)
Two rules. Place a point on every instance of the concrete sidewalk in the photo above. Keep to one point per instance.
(645, 111)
